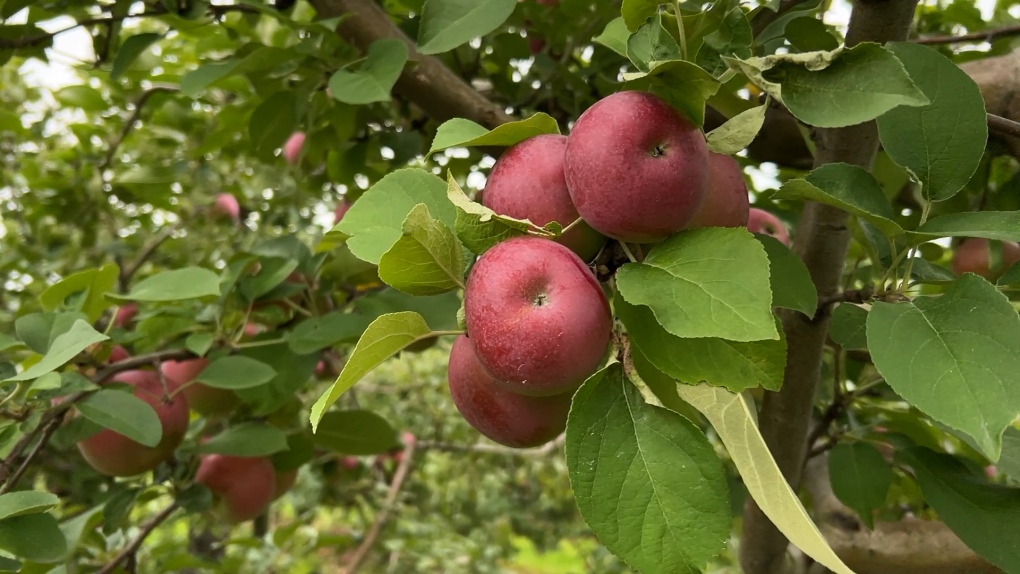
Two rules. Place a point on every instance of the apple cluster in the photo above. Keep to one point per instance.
(538, 321)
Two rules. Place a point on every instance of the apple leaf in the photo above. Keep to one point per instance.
(33, 537)
(64, 348)
(809, 34)
(91, 283)
(426, 260)
(636, 12)
(130, 50)
(1009, 462)
(236, 372)
(849, 188)
(199, 343)
(1000, 225)
(646, 480)
(375, 222)
(848, 328)
(300, 450)
(292, 373)
(954, 357)
(26, 502)
(387, 335)
(376, 74)
(248, 439)
(973, 509)
(272, 122)
(446, 24)
(734, 365)
(614, 36)
(684, 85)
(733, 419)
(711, 282)
(860, 478)
(355, 432)
(834, 89)
(479, 227)
(1010, 277)
(318, 333)
(123, 413)
(459, 132)
(942, 142)
(738, 132)
(651, 43)
(792, 287)
(175, 285)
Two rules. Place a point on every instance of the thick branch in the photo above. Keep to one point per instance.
(1003, 126)
(822, 241)
(982, 36)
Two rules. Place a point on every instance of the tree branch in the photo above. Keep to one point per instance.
(130, 124)
(822, 242)
(545, 450)
(135, 544)
(129, 271)
(982, 36)
(1003, 126)
(47, 433)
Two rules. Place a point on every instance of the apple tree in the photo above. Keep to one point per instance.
(735, 282)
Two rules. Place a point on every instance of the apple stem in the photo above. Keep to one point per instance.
(626, 250)
(572, 225)
(680, 29)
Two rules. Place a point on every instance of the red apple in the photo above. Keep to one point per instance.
(535, 44)
(114, 454)
(973, 255)
(124, 315)
(284, 482)
(243, 486)
(341, 209)
(637, 170)
(118, 354)
(527, 183)
(226, 206)
(252, 329)
(292, 149)
(538, 318)
(508, 418)
(761, 221)
(350, 462)
(726, 203)
(203, 399)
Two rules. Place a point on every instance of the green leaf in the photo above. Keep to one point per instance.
(954, 357)
(64, 348)
(292, 374)
(849, 326)
(130, 50)
(249, 439)
(1010, 277)
(849, 188)
(734, 421)
(376, 74)
(834, 89)
(860, 478)
(375, 222)
(318, 333)
(300, 450)
(26, 502)
(636, 12)
(684, 85)
(355, 432)
(426, 260)
(1001, 225)
(614, 36)
(809, 34)
(1009, 462)
(272, 272)
(973, 509)
(94, 283)
(117, 509)
(711, 282)
(196, 81)
(446, 24)
(439, 311)
(459, 132)
(34, 537)
(199, 343)
(7, 564)
(82, 96)
(176, 285)
(646, 480)
(123, 413)
(479, 227)
(738, 132)
(272, 122)
(8, 342)
(734, 365)
(942, 142)
(382, 339)
(236, 372)
(651, 43)
(792, 287)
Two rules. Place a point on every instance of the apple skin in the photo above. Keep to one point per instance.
(973, 255)
(252, 329)
(284, 482)
(226, 205)
(761, 221)
(527, 182)
(203, 399)
(114, 454)
(537, 316)
(118, 354)
(292, 149)
(726, 204)
(513, 420)
(124, 315)
(637, 170)
(244, 486)
(341, 210)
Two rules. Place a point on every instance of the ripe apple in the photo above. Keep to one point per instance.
(114, 454)
(527, 183)
(538, 318)
(124, 315)
(284, 482)
(226, 206)
(292, 149)
(118, 354)
(508, 418)
(761, 221)
(252, 329)
(636, 169)
(203, 399)
(973, 255)
(726, 203)
(243, 486)
(341, 209)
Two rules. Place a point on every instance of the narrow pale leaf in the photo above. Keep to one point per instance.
(738, 132)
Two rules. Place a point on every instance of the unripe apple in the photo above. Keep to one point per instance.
(114, 454)
(636, 169)
(124, 315)
(243, 486)
(226, 206)
(203, 399)
(527, 182)
(292, 149)
(973, 255)
(537, 316)
(761, 221)
(508, 418)
(726, 203)
(284, 482)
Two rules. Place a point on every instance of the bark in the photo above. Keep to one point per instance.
(822, 241)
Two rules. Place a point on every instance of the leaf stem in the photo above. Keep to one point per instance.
(680, 30)
(572, 225)
(626, 250)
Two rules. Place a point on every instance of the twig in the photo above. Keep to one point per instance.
(47, 432)
(140, 361)
(545, 450)
(1003, 126)
(135, 544)
(391, 499)
(129, 125)
(857, 296)
(127, 272)
(982, 36)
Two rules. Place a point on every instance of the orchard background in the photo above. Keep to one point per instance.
(174, 198)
